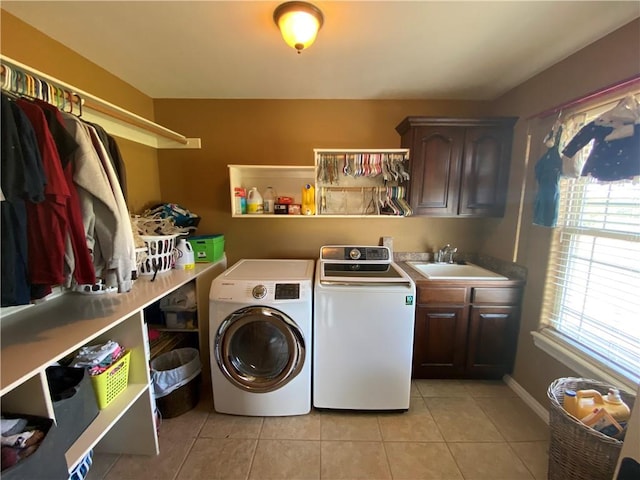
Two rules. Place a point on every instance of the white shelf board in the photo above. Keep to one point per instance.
(57, 327)
(101, 425)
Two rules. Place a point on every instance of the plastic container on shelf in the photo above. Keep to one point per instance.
(269, 200)
(184, 256)
(240, 200)
(159, 254)
(255, 203)
(112, 382)
(308, 200)
(207, 248)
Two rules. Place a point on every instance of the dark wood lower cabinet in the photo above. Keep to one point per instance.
(474, 338)
(493, 332)
(439, 341)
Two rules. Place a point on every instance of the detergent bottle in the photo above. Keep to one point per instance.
(254, 201)
(590, 400)
(308, 200)
(570, 402)
(184, 256)
(613, 404)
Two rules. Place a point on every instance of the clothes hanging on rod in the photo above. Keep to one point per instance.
(47, 238)
(22, 84)
(389, 165)
(615, 154)
(548, 170)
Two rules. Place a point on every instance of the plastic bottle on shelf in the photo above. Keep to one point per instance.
(254, 201)
(269, 200)
(308, 200)
(240, 200)
(184, 256)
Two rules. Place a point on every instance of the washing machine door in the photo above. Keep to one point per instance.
(259, 349)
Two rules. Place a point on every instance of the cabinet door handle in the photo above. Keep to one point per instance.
(493, 315)
(442, 315)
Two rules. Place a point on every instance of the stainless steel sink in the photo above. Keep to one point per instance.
(454, 271)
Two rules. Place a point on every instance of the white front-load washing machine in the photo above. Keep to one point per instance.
(260, 337)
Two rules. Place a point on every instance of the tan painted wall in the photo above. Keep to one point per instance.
(22, 43)
(285, 132)
(615, 57)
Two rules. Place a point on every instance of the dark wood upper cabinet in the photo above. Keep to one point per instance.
(459, 167)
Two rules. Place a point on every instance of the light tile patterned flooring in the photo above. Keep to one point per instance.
(454, 429)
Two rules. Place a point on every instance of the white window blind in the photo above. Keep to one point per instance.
(592, 291)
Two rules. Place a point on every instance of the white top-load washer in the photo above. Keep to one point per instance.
(260, 337)
(364, 310)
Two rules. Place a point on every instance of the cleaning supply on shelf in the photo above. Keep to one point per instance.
(254, 201)
(184, 256)
(269, 200)
(240, 200)
(308, 200)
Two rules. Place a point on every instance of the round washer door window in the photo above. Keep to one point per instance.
(259, 349)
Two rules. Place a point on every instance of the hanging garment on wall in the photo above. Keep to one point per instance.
(105, 216)
(22, 178)
(78, 261)
(548, 170)
(115, 157)
(46, 221)
(123, 262)
(616, 149)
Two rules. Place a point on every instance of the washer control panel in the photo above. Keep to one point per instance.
(355, 253)
(287, 291)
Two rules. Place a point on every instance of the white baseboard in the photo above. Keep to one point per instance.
(531, 402)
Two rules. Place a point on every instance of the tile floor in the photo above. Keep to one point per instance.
(454, 429)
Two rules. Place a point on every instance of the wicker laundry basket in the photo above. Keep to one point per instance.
(575, 450)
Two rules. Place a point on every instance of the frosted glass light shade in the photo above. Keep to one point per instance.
(299, 23)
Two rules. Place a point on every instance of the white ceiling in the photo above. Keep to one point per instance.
(365, 50)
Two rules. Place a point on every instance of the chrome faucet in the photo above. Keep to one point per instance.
(445, 254)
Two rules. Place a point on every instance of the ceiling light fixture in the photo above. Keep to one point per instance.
(299, 23)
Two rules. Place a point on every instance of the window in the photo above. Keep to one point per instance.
(592, 289)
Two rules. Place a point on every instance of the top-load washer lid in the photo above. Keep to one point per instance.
(359, 265)
(270, 269)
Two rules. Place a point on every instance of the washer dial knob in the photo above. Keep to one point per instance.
(354, 254)
(259, 291)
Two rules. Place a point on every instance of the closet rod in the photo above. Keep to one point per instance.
(110, 110)
(610, 89)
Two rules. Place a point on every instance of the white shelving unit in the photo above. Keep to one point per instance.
(114, 119)
(35, 337)
(288, 180)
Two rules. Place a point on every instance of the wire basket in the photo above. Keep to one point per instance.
(160, 254)
(112, 382)
(575, 450)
